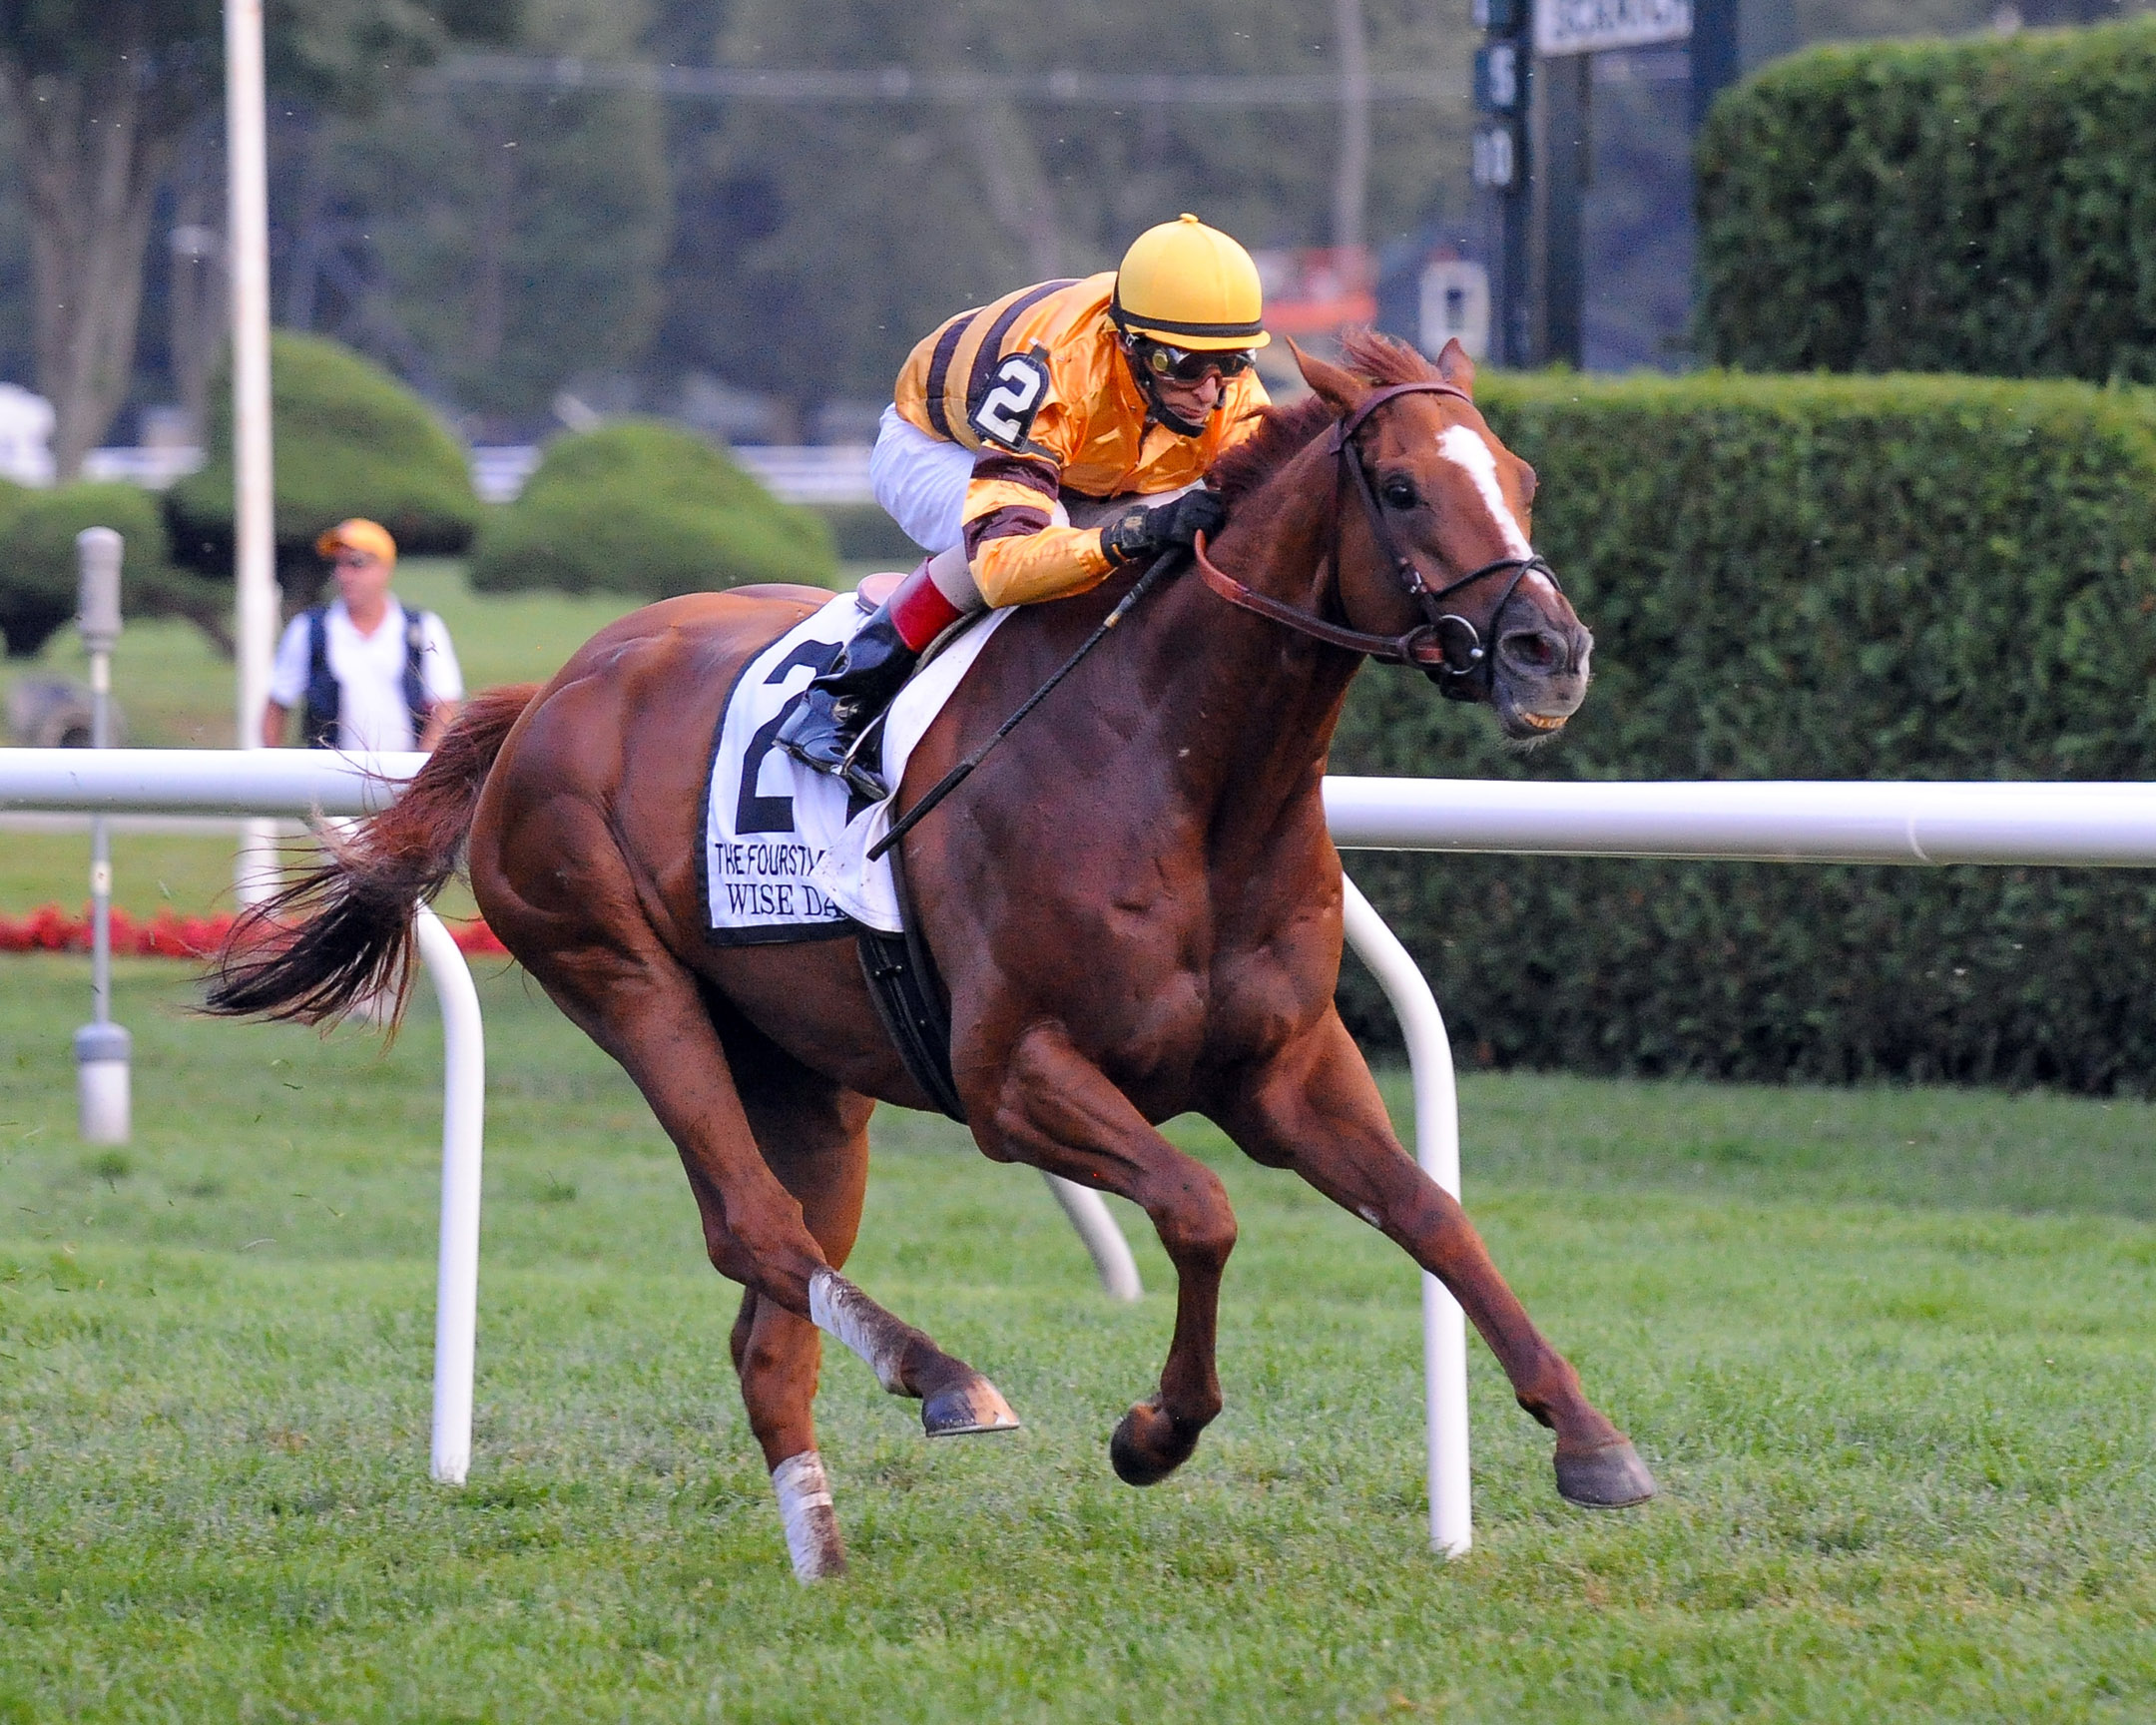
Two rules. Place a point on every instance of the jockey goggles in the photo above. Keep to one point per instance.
(1194, 365)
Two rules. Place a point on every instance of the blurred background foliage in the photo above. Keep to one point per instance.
(1805, 578)
(643, 507)
(1984, 206)
(496, 247)
(348, 439)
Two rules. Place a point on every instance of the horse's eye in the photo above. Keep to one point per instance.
(1399, 494)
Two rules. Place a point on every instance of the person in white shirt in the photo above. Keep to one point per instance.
(364, 673)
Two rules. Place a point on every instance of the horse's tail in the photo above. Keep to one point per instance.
(344, 931)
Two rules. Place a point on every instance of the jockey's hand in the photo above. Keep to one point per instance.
(1138, 535)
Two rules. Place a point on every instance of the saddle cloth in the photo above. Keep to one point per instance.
(786, 848)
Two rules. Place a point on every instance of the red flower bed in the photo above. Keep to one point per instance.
(165, 935)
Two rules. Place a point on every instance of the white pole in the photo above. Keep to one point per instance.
(1089, 1214)
(1444, 1326)
(254, 523)
(457, 1283)
(102, 1048)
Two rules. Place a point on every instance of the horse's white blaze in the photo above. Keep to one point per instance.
(840, 1308)
(1465, 449)
(804, 1505)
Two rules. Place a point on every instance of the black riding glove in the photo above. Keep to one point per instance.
(1138, 535)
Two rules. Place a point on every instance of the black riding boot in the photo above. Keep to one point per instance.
(839, 705)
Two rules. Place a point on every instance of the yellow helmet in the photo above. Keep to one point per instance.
(1190, 285)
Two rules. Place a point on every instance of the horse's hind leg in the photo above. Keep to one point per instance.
(815, 1137)
(1317, 1110)
(579, 928)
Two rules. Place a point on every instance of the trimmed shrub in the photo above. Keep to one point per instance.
(863, 533)
(1807, 578)
(1980, 206)
(641, 506)
(349, 440)
(39, 569)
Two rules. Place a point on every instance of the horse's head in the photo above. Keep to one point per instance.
(1432, 534)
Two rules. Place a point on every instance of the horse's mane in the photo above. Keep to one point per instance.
(1283, 432)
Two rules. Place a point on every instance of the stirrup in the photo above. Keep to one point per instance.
(861, 778)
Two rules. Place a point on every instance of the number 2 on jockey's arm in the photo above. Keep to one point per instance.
(1006, 413)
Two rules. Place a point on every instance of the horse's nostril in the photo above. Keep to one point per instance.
(1536, 651)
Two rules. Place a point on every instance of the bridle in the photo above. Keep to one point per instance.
(1445, 645)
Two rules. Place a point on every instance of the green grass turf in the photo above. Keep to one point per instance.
(1888, 1351)
(190, 872)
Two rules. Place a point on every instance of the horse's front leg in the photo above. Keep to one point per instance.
(1053, 1109)
(1316, 1109)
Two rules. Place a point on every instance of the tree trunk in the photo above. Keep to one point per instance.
(93, 147)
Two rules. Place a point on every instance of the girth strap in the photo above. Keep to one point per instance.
(909, 999)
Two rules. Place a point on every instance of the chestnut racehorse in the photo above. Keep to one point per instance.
(1135, 907)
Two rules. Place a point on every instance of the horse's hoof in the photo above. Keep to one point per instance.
(974, 1406)
(1606, 1478)
(1147, 1446)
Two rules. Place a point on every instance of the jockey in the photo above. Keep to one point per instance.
(1123, 384)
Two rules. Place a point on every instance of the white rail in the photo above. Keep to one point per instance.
(1786, 821)
(287, 782)
(2107, 825)
(1759, 820)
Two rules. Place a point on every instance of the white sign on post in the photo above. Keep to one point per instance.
(1588, 26)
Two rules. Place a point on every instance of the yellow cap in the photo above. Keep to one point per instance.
(359, 534)
(1190, 285)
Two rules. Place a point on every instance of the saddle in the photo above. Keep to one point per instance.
(786, 850)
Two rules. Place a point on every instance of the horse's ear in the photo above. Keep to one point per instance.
(1343, 392)
(1455, 367)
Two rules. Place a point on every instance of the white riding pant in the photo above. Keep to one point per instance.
(920, 481)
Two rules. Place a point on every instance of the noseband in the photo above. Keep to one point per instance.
(1445, 645)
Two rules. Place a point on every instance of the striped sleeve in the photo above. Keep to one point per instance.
(1018, 554)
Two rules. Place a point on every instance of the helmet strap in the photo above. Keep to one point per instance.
(1149, 388)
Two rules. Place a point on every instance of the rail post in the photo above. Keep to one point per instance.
(104, 1114)
(1436, 1107)
(456, 1278)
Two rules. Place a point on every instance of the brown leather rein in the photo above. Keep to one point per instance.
(1430, 645)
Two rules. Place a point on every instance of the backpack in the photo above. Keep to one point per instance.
(325, 699)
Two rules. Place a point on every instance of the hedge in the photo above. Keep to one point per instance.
(640, 506)
(1983, 206)
(1810, 578)
(40, 570)
(349, 440)
(863, 533)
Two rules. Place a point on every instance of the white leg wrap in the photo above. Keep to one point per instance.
(840, 1310)
(805, 1504)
